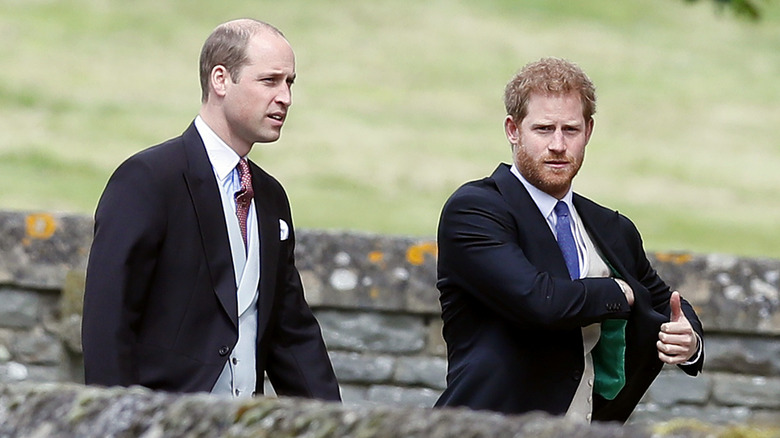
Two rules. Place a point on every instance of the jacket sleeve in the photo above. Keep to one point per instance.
(298, 362)
(128, 224)
(481, 253)
(659, 291)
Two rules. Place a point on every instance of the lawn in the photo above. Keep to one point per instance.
(398, 102)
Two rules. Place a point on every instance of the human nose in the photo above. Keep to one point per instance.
(557, 143)
(284, 96)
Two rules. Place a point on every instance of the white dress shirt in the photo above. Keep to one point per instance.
(591, 265)
(239, 375)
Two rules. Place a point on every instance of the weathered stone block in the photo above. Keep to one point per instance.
(743, 355)
(653, 414)
(751, 392)
(378, 297)
(397, 396)
(13, 372)
(36, 249)
(422, 371)
(360, 271)
(361, 368)
(5, 355)
(436, 344)
(18, 308)
(37, 347)
(675, 387)
(70, 411)
(71, 307)
(765, 418)
(353, 395)
(72, 296)
(45, 373)
(372, 332)
(729, 293)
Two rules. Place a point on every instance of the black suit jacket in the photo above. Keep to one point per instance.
(160, 306)
(512, 316)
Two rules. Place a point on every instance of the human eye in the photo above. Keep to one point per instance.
(544, 128)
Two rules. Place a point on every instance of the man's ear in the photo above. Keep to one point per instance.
(218, 80)
(588, 130)
(511, 130)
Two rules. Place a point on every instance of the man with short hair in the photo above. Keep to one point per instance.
(548, 300)
(191, 281)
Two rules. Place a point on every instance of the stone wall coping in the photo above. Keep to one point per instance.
(397, 274)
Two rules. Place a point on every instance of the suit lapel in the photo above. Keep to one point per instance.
(268, 223)
(602, 226)
(536, 237)
(211, 221)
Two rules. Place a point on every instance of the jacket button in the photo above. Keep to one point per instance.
(576, 375)
(224, 350)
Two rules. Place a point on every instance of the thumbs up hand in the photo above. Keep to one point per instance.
(677, 342)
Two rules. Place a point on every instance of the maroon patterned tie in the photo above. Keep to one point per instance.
(244, 196)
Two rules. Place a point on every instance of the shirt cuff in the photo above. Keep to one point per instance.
(695, 358)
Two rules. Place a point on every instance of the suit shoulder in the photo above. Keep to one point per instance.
(163, 154)
(600, 213)
(476, 197)
(149, 167)
(476, 189)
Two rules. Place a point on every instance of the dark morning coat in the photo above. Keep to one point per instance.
(513, 318)
(160, 307)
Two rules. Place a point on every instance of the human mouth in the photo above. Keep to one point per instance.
(557, 164)
(279, 117)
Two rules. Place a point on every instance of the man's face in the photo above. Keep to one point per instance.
(549, 143)
(255, 106)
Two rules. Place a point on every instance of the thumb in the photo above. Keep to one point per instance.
(674, 302)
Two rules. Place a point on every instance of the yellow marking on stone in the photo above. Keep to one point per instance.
(374, 293)
(677, 259)
(416, 253)
(40, 225)
(376, 257)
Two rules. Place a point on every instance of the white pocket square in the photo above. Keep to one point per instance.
(284, 230)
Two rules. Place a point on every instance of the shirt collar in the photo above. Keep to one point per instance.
(544, 202)
(223, 158)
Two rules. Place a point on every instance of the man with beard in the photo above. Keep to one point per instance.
(548, 300)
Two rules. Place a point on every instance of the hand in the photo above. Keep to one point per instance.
(677, 342)
(626, 290)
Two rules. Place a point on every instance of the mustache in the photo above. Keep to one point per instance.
(558, 157)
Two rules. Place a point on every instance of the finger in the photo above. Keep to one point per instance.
(671, 360)
(671, 353)
(682, 347)
(674, 302)
(677, 344)
(677, 328)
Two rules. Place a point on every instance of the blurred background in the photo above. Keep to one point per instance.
(399, 102)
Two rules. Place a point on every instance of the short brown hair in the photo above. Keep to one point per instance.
(549, 76)
(226, 46)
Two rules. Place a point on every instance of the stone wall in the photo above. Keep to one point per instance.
(71, 411)
(376, 301)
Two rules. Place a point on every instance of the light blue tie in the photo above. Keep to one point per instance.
(566, 239)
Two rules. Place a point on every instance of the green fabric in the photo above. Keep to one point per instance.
(609, 359)
(609, 355)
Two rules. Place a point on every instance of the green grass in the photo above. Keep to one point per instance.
(398, 102)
